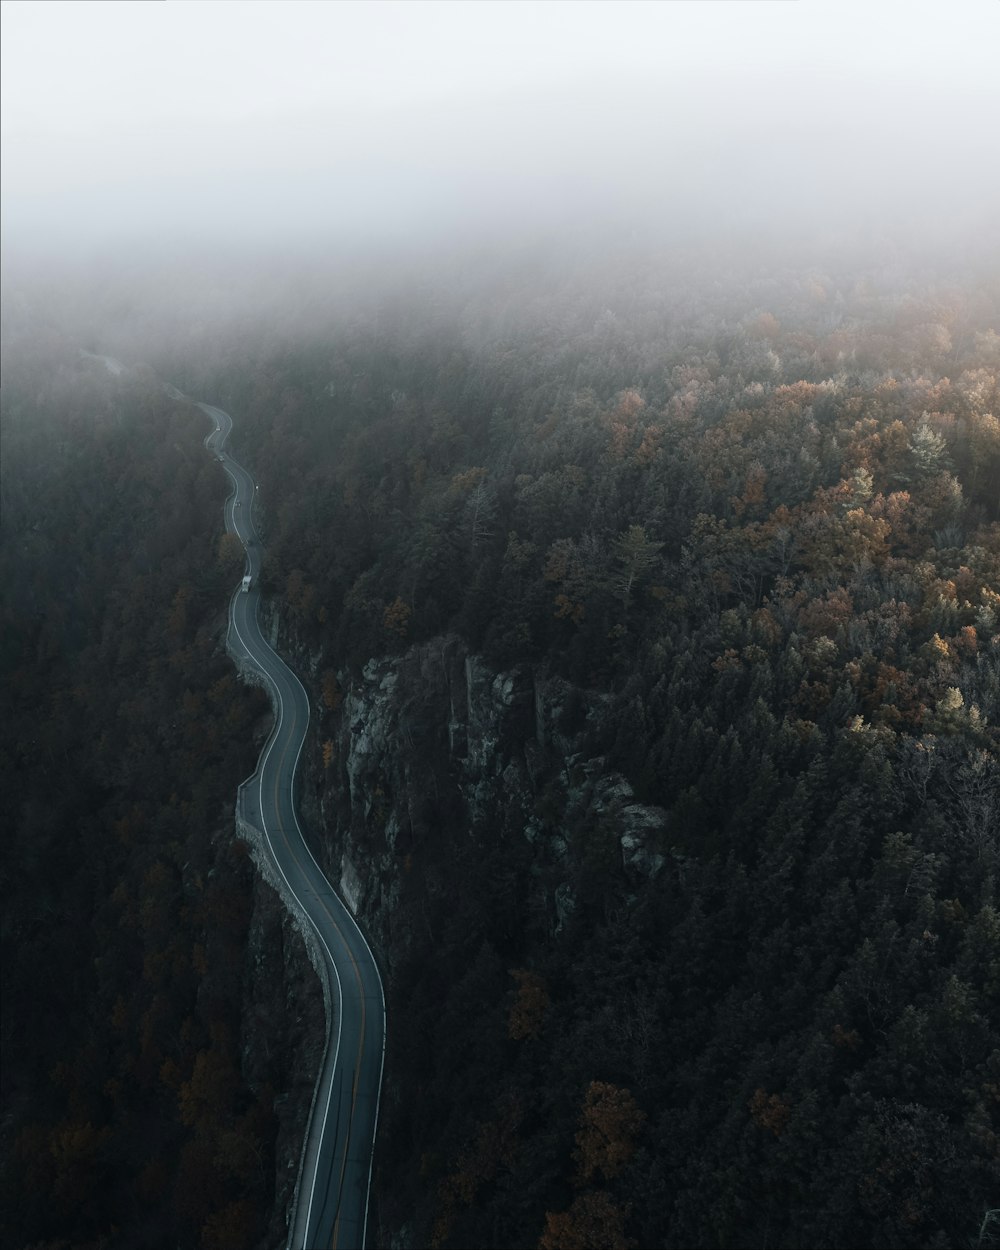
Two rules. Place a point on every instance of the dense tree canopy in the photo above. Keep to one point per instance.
(128, 1118)
(748, 516)
(752, 519)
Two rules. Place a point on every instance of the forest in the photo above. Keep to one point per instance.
(135, 1110)
(732, 521)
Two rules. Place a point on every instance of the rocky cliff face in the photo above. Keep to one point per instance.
(439, 788)
(433, 746)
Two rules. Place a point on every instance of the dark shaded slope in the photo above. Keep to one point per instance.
(139, 1104)
(750, 525)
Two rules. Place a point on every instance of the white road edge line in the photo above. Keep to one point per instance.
(332, 962)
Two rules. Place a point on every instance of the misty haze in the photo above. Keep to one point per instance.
(500, 625)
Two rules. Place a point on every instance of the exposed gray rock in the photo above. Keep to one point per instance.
(432, 755)
(565, 904)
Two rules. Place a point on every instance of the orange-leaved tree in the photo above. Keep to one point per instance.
(609, 1123)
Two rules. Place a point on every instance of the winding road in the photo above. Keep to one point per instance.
(331, 1208)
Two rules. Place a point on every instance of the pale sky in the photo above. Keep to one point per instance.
(273, 119)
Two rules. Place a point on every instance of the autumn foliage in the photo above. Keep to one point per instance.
(686, 569)
(609, 1125)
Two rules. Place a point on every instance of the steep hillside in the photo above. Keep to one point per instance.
(151, 1096)
(650, 607)
(654, 621)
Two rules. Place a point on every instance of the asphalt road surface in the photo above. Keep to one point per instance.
(335, 1176)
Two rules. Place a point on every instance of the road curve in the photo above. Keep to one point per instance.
(331, 1208)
